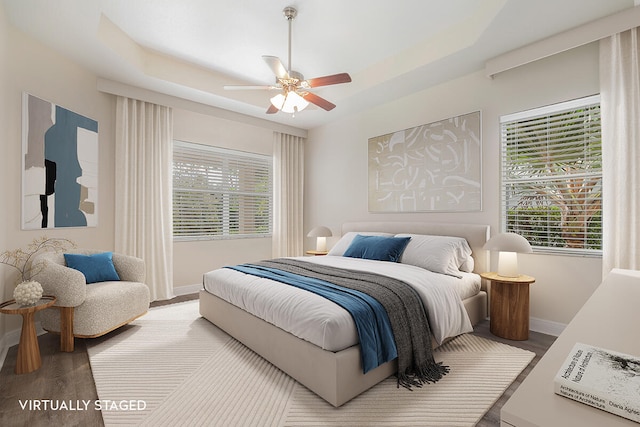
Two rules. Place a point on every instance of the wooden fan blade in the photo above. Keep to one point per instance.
(276, 66)
(272, 109)
(249, 87)
(329, 80)
(320, 102)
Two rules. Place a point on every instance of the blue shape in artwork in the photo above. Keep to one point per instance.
(61, 148)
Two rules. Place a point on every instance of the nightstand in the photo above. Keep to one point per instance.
(28, 359)
(317, 253)
(509, 306)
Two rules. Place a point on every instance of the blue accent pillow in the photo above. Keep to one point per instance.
(95, 267)
(378, 248)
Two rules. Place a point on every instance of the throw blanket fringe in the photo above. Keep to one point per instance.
(404, 307)
(422, 375)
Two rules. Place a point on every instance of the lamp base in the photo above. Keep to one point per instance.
(508, 264)
(321, 244)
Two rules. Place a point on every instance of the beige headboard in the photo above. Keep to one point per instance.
(476, 234)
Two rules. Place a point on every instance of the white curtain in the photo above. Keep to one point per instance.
(143, 205)
(288, 184)
(620, 103)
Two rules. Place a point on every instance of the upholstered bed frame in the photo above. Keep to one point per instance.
(337, 376)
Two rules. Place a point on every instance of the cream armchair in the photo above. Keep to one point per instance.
(90, 310)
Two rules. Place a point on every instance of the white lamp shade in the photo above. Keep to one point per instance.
(508, 242)
(292, 103)
(508, 245)
(320, 233)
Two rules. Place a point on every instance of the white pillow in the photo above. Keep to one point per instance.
(468, 265)
(341, 246)
(440, 254)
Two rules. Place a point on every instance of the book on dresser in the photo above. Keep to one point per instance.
(602, 378)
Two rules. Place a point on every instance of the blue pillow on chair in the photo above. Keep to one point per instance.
(380, 248)
(95, 267)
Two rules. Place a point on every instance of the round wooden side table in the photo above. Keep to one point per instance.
(28, 359)
(509, 306)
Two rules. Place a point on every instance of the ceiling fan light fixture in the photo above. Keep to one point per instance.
(296, 91)
(292, 103)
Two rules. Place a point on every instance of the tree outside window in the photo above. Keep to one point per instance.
(552, 176)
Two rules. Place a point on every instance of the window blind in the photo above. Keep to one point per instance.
(220, 193)
(551, 161)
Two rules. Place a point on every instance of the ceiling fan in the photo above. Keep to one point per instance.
(294, 93)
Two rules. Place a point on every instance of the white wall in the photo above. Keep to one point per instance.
(336, 163)
(4, 135)
(192, 259)
(28, 66)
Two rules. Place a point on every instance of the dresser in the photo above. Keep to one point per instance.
(609, 319)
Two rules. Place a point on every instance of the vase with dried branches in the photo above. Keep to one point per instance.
(29, 291)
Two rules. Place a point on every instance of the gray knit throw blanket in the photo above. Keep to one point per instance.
(407, 315)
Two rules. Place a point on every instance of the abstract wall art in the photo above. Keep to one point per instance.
(433, 167)
(59, 166)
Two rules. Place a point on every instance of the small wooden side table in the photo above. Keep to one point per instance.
(509, 306)
(317, 253)
(28, 359)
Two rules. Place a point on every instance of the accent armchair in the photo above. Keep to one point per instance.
(94, 309)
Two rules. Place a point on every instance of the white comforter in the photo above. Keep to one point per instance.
(327, 325)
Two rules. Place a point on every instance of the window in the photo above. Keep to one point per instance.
(220, 193)
(552, 176)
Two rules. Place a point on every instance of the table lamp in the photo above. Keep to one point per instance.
(321, 233)
(508, 246)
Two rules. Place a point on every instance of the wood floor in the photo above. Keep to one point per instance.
(67, 378)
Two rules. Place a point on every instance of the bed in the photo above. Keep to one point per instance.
(335, 372)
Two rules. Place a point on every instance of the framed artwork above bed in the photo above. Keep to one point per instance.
(432, 167)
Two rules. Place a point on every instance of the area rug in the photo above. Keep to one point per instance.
(171, 367)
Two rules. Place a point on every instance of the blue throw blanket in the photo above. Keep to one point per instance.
(371, 319)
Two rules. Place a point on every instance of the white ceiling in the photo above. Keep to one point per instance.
(192, 48)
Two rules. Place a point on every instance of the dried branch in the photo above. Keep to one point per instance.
(21, 259)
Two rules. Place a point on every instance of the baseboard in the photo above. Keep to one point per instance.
(186, 290)
(4, 348)
(546, 326)
(12, 338)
